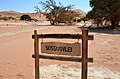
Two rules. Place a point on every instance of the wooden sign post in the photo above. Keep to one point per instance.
(85, 37)
(36, 50)
(84, 53)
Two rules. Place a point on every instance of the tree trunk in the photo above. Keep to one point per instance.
(113, 24)
(52, 23)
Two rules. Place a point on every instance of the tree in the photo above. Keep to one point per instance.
(57, 13)
(105, 10)
(96, 16)
(25, 17)
(5, 18)
(84, 19)
(11, 18)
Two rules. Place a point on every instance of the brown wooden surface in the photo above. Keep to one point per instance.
(63, 58)
(84, 53)
(63, 36)
(72, 49)
(36, 51)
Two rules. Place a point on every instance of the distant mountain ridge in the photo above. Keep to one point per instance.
(38, 16)
(11, 13)
(82, 13)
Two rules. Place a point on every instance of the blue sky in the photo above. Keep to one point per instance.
(28, 5)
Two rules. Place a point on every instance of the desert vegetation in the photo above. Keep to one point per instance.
(25, 17)
(5, 18)
(57, 13)
(105, 11)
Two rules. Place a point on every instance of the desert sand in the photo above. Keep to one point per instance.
(16, 49)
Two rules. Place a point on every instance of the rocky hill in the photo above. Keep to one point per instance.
(18, 14)
(82, 13)
(11, 13)
(33, 15)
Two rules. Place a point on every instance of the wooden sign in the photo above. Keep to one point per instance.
(61, 48)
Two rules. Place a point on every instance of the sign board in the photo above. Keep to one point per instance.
(61, 48)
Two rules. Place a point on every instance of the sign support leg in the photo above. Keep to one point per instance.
(36, 51)
(84, 53)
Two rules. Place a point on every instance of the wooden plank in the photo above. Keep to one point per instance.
(36, 51)
(84, 53)
(63, 36)
(60, 48)
(63, 58)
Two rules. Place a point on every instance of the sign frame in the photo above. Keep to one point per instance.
(85, 37)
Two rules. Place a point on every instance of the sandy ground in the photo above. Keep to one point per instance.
(16, 49)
